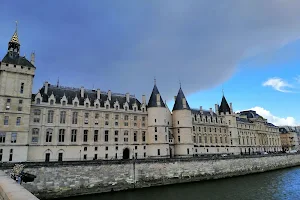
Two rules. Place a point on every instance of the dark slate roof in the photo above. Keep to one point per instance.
(270, 124)
(71, 93)
(283, 130)
(152, 101)
(243, 120)
(224, 107)
(178, 105)
(250, 114)
(205, 112)
(17, 60)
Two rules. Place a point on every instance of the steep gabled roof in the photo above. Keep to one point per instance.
(179, 102)
(17, 60)
(224, 107)
(152, 101)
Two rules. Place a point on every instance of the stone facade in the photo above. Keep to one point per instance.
(63, 123)
(77, 179)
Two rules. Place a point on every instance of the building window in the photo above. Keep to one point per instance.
(107, 106)
(19, 108)
(61, 135)
(13, 138)
(6, 118)
(106, 136)
(50, 116)
(117, 107)
(10, 154)
(144, 136)
(2, 137)
(116, 123)
(178, 130)
(86, 105)
(18, 122)
(86, 118)
(155, 129)
(62, 119)
(38, 101)
(64, 103)
(125, 139)
(74, 117)
(177, 122)
(125, 132)
(135, 136)
(116, 139)
(134, 118)
(106, 116)
(35, 135)
(134, 108)
(49, 135)
(96, 135)
(126, 117)
(158, 152)
(143, 119)
(155, 137)
(1, 154)
(85, 135)
(116, 133)
(126, 108)
(106, 123)
(125, 123)
(51, 102)
(188, 151)
(73, 135)
(8, 104)
(97, 105)
(193, 128)
(166, 137)
(75, 104)
(22, 88)
(85, 149)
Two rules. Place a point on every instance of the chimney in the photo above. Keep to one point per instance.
(174, 98)
(144, 99)
(201, 110)
(210, 110)
(98, 93)
(231, 110)
(158, 99)
(32, 59)
(82, 92)
(183, 103)
(46, 84)
(127, 97)
(109, 95)
(216, 108)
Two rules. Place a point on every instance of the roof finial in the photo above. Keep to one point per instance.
(57, 82)
(179, 83)
(16, 26)
(154, 80)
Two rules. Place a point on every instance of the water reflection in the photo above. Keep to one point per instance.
(275, 185)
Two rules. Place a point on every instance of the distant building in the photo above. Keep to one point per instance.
(289, 138)
(65, 123)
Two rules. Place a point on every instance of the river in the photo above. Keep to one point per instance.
(274, 185)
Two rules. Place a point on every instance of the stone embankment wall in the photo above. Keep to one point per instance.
(10, 190)
(79, 179)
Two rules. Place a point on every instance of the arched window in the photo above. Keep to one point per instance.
(51, 102)
(38, 101)
(49, 135)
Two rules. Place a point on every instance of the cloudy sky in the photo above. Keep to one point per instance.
(249, 48)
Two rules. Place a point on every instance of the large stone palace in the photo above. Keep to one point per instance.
(64, 123)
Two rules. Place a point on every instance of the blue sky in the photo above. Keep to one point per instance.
(122, 46)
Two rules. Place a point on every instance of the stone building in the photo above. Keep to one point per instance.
(289, 138)
(65, 123)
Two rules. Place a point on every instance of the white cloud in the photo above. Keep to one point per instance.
(278, 84)
(278, 121)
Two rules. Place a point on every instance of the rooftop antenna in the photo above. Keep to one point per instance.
(179, 83)
(154, 80)
(16, 26)
(223, 90)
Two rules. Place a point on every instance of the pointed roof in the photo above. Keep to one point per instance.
(179, 101)
(224, 107)
(15, 38)
(152, 101)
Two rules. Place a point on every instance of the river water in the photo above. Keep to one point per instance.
(277, 185)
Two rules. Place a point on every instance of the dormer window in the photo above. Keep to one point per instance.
(97, 105)
(143, 109)
(134, 108)
(86, 105)
(38, 101)
(51, 102)
(117, 107)
(126, 108)
(75, 104)
(107, 106)
(64, 103)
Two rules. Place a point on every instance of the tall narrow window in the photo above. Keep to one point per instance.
(38, 101)
(35, 135)
(155, 137)
(49, 135)
(10, 154)
(155, 129)
(51, 102)
(50, 116)
(73, 135)
(1, 154)
(13, 138)
(2, 137)
(96, 135)
(22, 88)
(74, 117)
(18, 121)
(7, 104)
(158, 152)
(36, 115)
(106, 136)
(62, 119)
(6, 118)
(178, 138)
(61, 135)
(126, 117)
(135, 136)
(144, 136)
(85, 135)
(86, 118)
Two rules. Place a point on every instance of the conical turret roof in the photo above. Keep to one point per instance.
(179, 105)
(15, 38)
(153, 98)
(224, 107)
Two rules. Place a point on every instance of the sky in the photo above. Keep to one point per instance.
(248, 49)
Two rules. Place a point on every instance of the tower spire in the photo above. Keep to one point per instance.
(14, 44)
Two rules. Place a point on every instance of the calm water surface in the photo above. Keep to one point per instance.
(280, 184)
